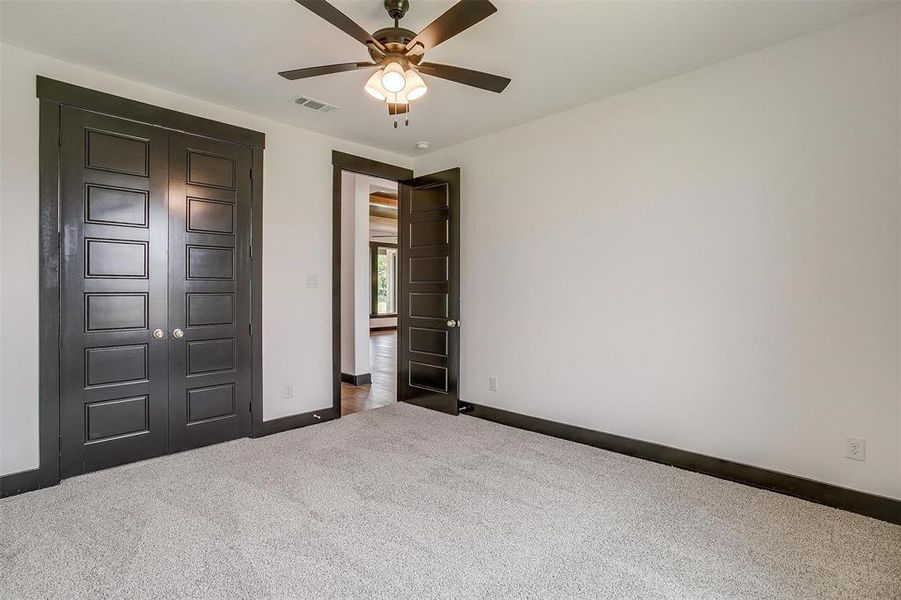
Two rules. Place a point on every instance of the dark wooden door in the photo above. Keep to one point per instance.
(428, 333)
(113, 280)
(209, 291)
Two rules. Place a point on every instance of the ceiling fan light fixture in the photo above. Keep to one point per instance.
(397, 53)
(393, 78)
(374, 86)
(416, 87)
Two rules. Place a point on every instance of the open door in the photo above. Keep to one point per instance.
(428, 312)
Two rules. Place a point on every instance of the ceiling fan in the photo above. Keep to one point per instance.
(398, 52)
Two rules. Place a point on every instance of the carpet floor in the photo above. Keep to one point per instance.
(401, 502)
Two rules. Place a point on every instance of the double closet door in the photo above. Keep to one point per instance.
(155, 349)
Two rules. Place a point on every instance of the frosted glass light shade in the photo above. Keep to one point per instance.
(393, 78)
(374, 86)
(416, 87)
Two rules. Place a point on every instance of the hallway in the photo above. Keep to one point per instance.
(383, 364)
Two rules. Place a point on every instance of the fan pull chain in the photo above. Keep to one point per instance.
(395, 111)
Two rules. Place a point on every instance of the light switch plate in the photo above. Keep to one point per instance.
(313, 280)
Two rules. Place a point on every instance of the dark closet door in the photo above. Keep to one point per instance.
(113, 279)
(429, 295)
(209, 291)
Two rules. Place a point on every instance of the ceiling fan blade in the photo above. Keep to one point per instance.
(485, 81)
(459, 17)
(324, 70)
(341, 21)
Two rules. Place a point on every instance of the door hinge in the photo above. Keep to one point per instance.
(59, 446)
(250, 329)
(250, 406)
(251, 174)
(250, 251)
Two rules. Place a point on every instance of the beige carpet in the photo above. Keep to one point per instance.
(401, 502)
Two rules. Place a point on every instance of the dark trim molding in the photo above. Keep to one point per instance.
(336, 288)
(295, 421)
(47, 473)
(385, 328)
(871, 505)
(256, 290)
(68, 94)
(23, 481)
(48, 294)
(362, 379)
(365, 166)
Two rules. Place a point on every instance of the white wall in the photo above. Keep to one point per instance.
(355, 284)
(898, 67)
(362, 283)
(348, 282)
(898, 21)
(710, 262)
(297, 242)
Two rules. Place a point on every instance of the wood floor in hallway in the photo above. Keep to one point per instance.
(383, 366)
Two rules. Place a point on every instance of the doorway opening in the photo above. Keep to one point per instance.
(369, 279)
(411, 285)
(365, 272)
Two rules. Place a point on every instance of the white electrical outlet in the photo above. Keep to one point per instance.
(492, 383)
(856, 448)
(312, 280)
(288, 392)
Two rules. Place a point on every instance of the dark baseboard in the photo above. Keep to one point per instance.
(27, 481)
(294, 421)
(871, 505)
(24, 481)
(363, 379)
(383, 328)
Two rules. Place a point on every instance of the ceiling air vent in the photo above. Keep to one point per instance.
(316, 105)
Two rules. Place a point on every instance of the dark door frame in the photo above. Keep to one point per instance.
(53, 95)
(363, 166)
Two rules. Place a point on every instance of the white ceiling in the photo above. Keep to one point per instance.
(559, 53)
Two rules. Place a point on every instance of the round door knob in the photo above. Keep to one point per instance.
(452, 323)
(178, 333)
(159, 334)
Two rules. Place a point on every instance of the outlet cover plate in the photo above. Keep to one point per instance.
(856, 448)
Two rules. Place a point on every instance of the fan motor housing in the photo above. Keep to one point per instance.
(395, 40)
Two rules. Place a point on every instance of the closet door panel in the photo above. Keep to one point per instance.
(209, 294)
(113, 291)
